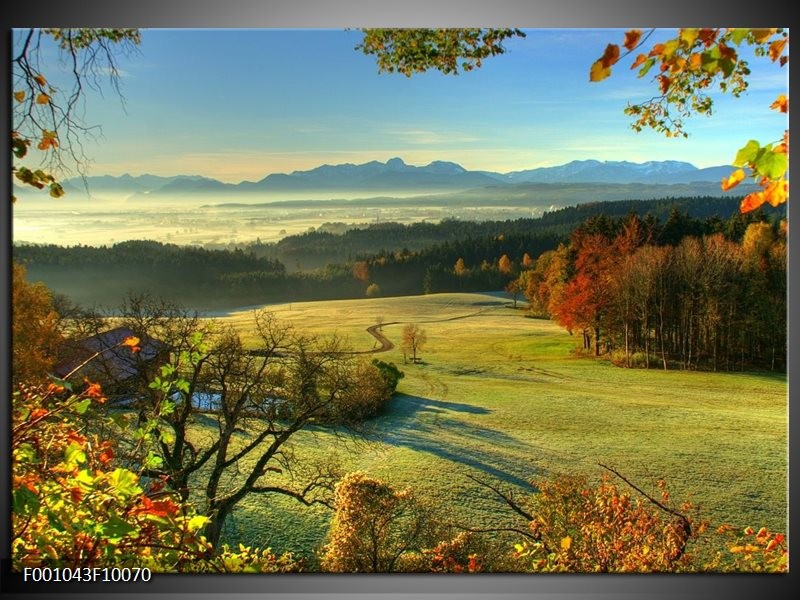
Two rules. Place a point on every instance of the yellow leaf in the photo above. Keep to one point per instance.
(781, 104)
(19, 96)
(731, 182)
(598, 72)
(42, 99)
(776, 194)
(566, 542)
(689, 35)
(601, 68)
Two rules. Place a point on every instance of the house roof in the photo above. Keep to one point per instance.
(105, 354)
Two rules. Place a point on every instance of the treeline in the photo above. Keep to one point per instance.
(318, 248)
(214, 279)
(709, 299)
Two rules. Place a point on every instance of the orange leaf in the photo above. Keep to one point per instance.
(776, 48)
(776, 193)
(107, 454)
(160, 508)
(664, 83)
(731, 182)
(132, 342)
(781, 104)
(678, 65)
(657, 49)
(695, 60)
(772, 545)
(762, 35)
(42, 98)
(639, 60)
(19, 96)
(40, 79)
(749, 203)
(38, 413)
(610, 56)
(707, 36)
(93, 390)
(632, 38)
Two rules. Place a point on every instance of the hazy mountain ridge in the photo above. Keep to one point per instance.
(396, 174)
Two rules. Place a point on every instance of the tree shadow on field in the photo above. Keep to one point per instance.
(433, 426)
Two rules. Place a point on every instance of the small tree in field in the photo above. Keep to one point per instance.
(414, 339)
(515, 288)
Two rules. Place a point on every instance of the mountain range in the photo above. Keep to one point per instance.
(395, 174)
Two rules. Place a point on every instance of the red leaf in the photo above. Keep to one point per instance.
(632, 38)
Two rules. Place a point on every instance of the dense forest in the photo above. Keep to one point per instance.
(706, 300)
(387, 259)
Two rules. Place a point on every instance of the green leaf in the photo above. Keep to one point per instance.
(167, 436)
(85, 478)
(116, 528)
(24, 501)
(197, 522)
(648, 64)
(55, 522)
(25, 453)
(167, 408)
(153, 461)
(120, 420)
(747, 154)
(80, 407)
(771, 164)
(167, 370)
(74, 454)
(727, 65)
(124, 482)
(738, 35)
(61, 383)
(56, 191)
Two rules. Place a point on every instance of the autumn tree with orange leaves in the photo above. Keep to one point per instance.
(34, 328)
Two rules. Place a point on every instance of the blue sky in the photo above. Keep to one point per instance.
(239, 104)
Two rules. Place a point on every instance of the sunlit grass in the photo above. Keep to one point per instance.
(503, 398)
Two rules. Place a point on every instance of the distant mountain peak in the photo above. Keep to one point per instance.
(395, 163)
(395, 174)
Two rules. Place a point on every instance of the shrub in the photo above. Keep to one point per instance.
(375, 528)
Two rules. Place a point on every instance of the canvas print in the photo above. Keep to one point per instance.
(398, 300)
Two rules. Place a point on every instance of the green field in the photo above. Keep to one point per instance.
(505, 399)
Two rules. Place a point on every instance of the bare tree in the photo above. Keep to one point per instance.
(255, 399)
(50, 118)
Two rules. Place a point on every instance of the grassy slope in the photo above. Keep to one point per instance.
(503, 398)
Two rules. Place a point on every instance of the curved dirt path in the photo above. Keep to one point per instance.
(386, 344)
